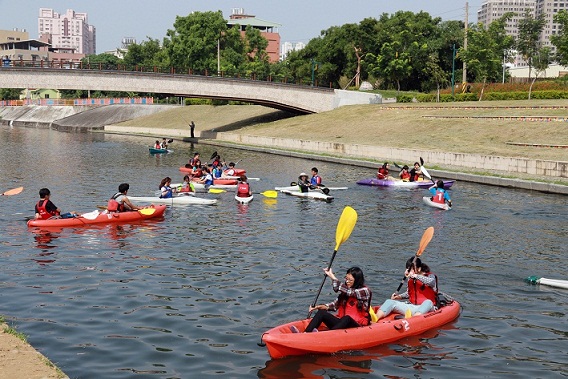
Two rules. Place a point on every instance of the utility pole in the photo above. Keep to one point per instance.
(464, 76)
(453, 70)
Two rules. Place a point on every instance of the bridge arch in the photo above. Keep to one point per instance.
(289, 97)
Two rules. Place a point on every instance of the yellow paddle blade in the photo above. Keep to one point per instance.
(272, 194)
(216, 190)
(14, 191)
(345, 226)
(426, 237)
(147, 211)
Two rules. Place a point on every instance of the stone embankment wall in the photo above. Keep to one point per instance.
(75, 118)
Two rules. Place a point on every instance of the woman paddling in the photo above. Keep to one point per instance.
(352, 304)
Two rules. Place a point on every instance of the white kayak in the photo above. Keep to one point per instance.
(428, 201)
(199, 187)
(297, 188)
(176, 200)
(558, 283)
(237, 178)
(244, 200)
(310, 195)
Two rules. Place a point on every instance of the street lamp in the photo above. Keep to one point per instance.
(314, 68)
(453, 69)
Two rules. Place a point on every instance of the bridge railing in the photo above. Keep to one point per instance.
(70, 65)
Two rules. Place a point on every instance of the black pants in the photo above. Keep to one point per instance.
(331, 321)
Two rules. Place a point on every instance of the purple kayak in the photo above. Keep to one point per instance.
(401, 184)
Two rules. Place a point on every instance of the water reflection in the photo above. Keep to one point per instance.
(192, 293)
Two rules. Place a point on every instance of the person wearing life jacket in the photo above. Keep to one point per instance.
(404, 174)
(420, 296)
(383, 172)
(119, 202)
(243, 188)
(164, 144)
(217, 172)
(166, 189)
(45, 209)
(231, 170)
(315, 181)
(415, 172)
(352, 304)
(157, 145)
(207, 178)
(303, 182)
(439, 194)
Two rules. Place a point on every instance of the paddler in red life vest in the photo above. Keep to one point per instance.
(157, 145)
(45, 209)
(315, 181)
(420, 295)
(415, 172)
(404, 174)
(383, 172)
(439, 194)
(352, 303)
(243, 188)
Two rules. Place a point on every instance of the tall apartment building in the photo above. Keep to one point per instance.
(70, 31)
(287, 47)
(491, 10)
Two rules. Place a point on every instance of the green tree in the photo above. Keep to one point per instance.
(486, 46)
(541, 61)
(104, 60)
(560, 40)
(10, 93)
(436, 74)
(194, 40)
(528, 40)
(257, 59)
(148, 54)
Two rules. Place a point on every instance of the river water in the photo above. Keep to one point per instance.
(190, 295)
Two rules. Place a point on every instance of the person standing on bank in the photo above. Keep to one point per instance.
(352, 303)
(192, 128)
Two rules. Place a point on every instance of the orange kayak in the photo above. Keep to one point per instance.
(103, 217)
(238, 172)
(282, 342)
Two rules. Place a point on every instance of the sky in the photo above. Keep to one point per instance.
(301, 20)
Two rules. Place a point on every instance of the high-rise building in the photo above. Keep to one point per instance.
(70, 31)
(491, 10)
(287, 47)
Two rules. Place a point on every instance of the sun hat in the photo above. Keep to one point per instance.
(302, 174)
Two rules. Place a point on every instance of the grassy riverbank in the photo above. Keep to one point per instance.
(486, 128)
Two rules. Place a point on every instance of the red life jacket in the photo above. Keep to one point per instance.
(418, 291)
(113, 205)
(405, 175)
(383, 173)
(243, 190)
(439, 197)
(42, 210)
(361, 316)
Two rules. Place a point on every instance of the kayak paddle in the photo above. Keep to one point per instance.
(216, 190)
(345, 226)
(270, 193)
(14, 191)
(424, 241)
(147, 211)
(424, 171)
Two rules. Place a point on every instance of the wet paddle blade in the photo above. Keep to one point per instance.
(271, 194)
(426, 238)
(147, 211)
(345, 226)
(91, 215)
(14, 191)
(216, 190)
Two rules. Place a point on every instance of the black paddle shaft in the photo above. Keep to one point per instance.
(404, 278)
(323, 281)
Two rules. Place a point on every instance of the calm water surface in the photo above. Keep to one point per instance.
(190, 295)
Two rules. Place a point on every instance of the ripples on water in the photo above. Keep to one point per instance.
(190, 295)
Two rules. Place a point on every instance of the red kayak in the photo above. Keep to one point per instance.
(103, 217)
(238, 172)
(282, 342)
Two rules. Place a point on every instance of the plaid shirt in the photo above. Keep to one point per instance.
(362, 295)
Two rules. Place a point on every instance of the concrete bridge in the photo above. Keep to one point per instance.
(290, 97)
